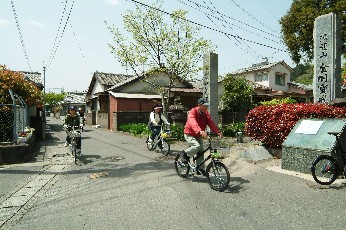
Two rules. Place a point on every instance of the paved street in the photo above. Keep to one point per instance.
(119, 184)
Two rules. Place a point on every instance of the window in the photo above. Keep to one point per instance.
(280, 79)
(260, 77)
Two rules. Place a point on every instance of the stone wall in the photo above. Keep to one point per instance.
(12, 153)
(298, 159)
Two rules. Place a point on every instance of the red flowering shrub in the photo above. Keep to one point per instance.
(272, 124)
(16, 82)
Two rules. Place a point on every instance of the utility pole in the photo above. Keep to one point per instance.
(44, 93)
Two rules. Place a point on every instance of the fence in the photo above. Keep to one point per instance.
(13, 119)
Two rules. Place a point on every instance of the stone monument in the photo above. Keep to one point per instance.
(327, 58)
(210, 82)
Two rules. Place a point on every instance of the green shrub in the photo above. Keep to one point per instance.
(230, 130)
(136, 129)
(142, 129)
(178, 132)
(286, 100)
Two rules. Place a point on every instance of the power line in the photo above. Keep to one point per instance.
(79, 47)
(20, 35)
(57, 33)
(207, 27)
(62, 33)
(226, 16)
(246, 49)
(254, 18)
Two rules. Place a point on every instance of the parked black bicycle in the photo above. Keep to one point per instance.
(216, 172)
(165, 133)
(325, 169)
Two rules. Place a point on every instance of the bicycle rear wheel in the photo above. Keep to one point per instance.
(166, 147)
(218, 176)
(324, 170)
(150, 144)
(181, 168)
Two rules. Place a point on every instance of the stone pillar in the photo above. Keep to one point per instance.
(210, 81)
(327, 58)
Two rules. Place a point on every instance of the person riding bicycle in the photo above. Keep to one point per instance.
(156, 120)
(81, 114)
(72, 119)
(197, 120)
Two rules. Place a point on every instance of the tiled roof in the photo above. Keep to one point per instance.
(125, 81)
(299, 85)
(109, 79)
(74, 99)
(260, 66)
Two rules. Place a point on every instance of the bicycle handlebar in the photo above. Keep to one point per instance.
(212, 134)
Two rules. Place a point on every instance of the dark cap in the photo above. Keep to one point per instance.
(203, 101)
(72, 107)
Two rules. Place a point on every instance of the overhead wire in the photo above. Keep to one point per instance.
(20, 35)
(207, 27)
(78, 44)
(57, 33)
(236, 20)
(247, 47)
(62, 33)
(254, 18)
(238, 43)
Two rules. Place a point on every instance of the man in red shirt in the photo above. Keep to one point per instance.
(197, 121)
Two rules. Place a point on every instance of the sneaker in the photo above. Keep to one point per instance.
(65, 145)
(183, 158)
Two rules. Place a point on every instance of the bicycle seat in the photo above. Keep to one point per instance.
(334, 133)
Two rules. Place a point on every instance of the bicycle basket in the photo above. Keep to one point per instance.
(218, 149)
(215, 142)
(166, 134)
(74, 134)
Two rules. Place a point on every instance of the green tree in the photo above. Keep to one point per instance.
(298, 24)
(303, 73)
(52, 99)
(237, 93)
(158, 46)
(343, 73)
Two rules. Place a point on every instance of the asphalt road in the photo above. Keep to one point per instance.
(119, 184)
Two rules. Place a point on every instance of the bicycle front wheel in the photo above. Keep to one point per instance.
(150, 144)
(166, 147)
(324, 170)
(181, 168)
(75, 154)
(218, 176)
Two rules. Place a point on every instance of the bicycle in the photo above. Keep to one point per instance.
(216, 172)
(165, 133)
(325, 168)
(74, 133)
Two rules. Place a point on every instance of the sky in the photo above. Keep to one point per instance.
(244, 32)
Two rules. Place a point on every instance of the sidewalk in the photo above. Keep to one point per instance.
(21, 182)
